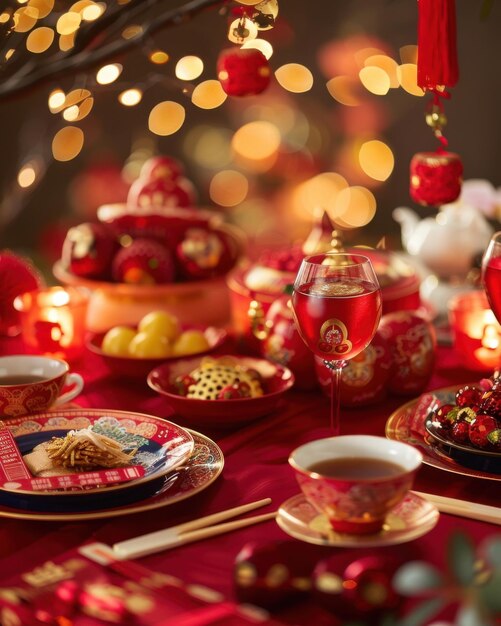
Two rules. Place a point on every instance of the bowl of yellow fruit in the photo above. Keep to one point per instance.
(134, 351)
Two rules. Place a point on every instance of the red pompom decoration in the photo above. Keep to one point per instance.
(435, 178)
(159, 193)
(204, 253)
(145, 261)
(412, 343)
(161, 167)
(16, 276)
(364, 379)
(243, 72)
(89, 249)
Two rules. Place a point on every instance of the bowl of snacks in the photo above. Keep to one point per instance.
(222, 391)
(133, 351)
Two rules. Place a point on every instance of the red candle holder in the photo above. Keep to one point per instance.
(476, 332)
(53, 321)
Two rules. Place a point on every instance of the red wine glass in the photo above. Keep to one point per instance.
(491, 274)
(337, 307)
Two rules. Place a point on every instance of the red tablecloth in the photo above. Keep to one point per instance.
(256, 467)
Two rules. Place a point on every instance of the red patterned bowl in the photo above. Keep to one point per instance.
(222, 413)
(131, 367)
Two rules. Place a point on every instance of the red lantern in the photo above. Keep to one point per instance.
(364, 379)
(243, 72)
(412, 343)
(204, 253)
(435, 178)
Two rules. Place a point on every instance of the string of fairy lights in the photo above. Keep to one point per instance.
(252, 148)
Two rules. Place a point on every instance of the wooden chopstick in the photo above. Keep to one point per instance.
(190, 531)
(462, 508)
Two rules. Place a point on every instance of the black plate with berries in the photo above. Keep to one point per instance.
(469, 431)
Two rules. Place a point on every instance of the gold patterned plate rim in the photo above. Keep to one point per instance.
(81, 413)
(397, 429)
(159, 500)
(409, 520)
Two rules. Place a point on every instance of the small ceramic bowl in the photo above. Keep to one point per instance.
(222, 413)
(131, 367)
(355, 505)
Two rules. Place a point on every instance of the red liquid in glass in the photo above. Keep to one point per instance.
(492, 284)
(337, 318)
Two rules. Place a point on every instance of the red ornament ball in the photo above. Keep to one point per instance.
(88, 250)
(441, 416)
(243, 72)
(412, 344)
(365, 377)
(460, 432)
(161, 167)
(145, 195)
(17, 275)
(490, 402)
(203, 253)
(145, 262)
(468, 396)
(435, 178)
(484, 432)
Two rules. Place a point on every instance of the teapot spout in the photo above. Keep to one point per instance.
(408, 221)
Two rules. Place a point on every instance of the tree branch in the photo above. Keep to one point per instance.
(64, 64)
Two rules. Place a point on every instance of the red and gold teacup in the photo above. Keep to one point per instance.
(30, 384)
(355, 480)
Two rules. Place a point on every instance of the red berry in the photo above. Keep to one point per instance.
(480, 429)
(491, 400)
(468, 396)
(460, 432)
(182, 383)
(230, 392)
(440, 415)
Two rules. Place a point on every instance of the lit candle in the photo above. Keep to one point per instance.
(477, 334)
(53, 320)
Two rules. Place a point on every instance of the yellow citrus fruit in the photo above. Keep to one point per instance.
(149, 346)
(190, 342)
(116, 341)
(160, 324)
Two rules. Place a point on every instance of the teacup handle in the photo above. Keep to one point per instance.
(77, 382)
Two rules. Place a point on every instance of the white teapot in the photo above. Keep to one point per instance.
(448, 242)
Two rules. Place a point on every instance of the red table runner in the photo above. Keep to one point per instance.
(256, 467)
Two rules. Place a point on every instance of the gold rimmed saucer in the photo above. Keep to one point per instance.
(412, 518)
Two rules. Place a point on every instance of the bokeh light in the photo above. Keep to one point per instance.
(56, 100)
(262, 45)
(387, 64)
(241, 30)
(228, 188)
(407, 76)
(159, 57)
(375, 80)
(75, 96)
(294, 77)
(108, 73)
(209, 146)
(166, 118)
(26, 175)
(44, 7)
(208, 94)
(189, 67)
(344, 89)
(409, 54)
(132, 31)
(130, 97)
(319, 192)
(71, 113)
(256, 140)
(355, 207)
(24, 19)
(66, 42)
(376, 159)
(67, 143)
(40, 39)
(68, 23)
(92, 12)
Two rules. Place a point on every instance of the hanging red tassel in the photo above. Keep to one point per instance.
(437, 50)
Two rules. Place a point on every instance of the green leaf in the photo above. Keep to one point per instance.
(461, 558)
(422, 613)
(489, 593)
(415, 577)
